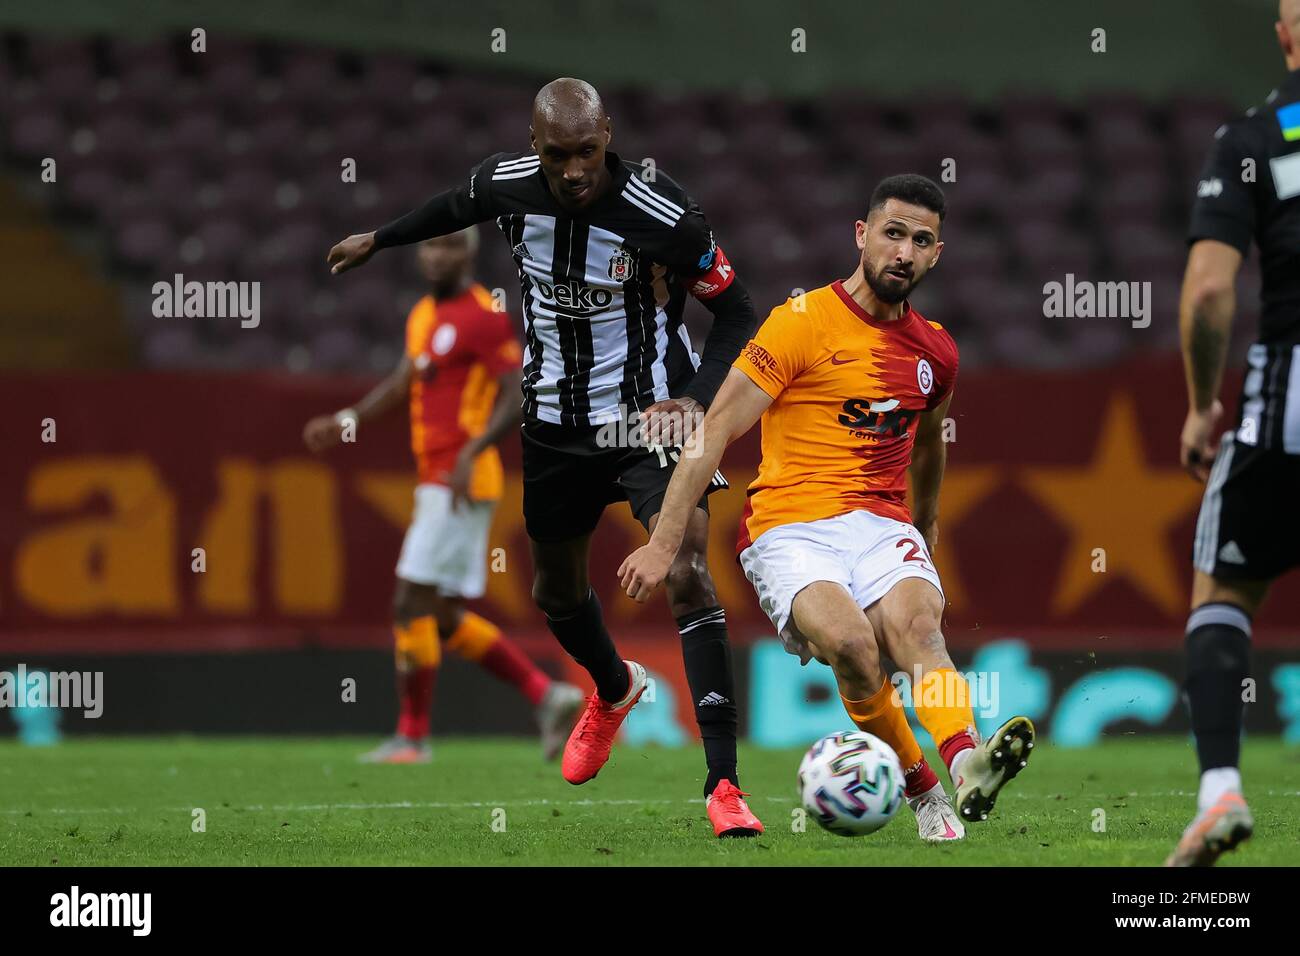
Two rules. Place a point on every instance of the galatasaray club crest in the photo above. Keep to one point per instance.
(924, 376)
(621, 266)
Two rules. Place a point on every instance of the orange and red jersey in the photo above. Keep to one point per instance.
(459, 347)
(848, 391)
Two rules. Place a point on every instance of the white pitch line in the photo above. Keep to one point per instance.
(317, 807)
(479, 804)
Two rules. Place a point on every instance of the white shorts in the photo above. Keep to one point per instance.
(444, 546)
(861, 551)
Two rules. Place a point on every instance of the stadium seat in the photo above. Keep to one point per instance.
(230, 161)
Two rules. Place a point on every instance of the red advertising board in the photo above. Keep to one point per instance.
(1064, 517)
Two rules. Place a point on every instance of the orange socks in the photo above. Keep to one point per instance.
(417, 643)
(478, 639)
(942, 702)
(472, 639)
(418, 656)
(881, 714)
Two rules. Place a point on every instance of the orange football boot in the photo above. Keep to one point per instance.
(593, 736)
(728, 812)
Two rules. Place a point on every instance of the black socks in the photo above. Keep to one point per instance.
(707, 657)
(582, 634)
(1218, 663)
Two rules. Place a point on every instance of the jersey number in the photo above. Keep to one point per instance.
(914, 554)
(663, 454)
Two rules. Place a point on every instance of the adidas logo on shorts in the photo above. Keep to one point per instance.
(713, 699)
(1230, 553)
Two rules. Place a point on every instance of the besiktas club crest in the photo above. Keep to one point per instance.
(621, 266)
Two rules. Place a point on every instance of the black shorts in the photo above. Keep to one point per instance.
(569, 478)
(1249, 525)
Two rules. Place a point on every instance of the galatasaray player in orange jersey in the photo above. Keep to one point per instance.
(852, 385)
(460, 376)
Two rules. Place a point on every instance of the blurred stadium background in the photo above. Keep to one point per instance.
(175, 434)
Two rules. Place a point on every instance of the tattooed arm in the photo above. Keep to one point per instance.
(1205, 323)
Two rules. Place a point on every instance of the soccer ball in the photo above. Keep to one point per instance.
(851, 782)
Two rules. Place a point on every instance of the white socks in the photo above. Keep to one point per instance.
(958, 759)
(1215, 783)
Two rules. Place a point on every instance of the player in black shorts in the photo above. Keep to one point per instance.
(1248, 533)
(607, 251)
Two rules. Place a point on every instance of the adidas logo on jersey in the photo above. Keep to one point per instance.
(521, 251)
(1209, 188)
(1230, 553)
(713, 699)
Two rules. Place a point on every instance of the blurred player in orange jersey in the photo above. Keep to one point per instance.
(852, 385)
(461, 372)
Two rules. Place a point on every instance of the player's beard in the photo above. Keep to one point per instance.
(887, 289)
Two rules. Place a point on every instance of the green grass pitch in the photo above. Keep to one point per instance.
(285, 801)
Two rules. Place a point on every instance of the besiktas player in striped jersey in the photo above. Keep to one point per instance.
(1248, 531)
(606, 251)
(457, 378)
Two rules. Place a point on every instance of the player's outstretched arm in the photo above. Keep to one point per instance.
(1205, 314)
(353, 251)
(929, 456)
(737, 406)
(443, 214)
(458, 208)
(325, 431)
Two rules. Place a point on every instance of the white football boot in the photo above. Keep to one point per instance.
(990, 766)
(936, 820)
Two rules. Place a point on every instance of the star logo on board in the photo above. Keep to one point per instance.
(1123, 504)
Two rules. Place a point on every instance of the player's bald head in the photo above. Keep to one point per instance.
(569, 106)
(569, 134)
(1288, 31)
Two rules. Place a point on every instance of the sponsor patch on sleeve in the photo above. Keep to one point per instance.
(760, 358)
(718, 277)
(1286, 175)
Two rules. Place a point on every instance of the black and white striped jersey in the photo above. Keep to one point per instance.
(602, 291)
(1249, 190)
